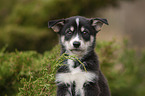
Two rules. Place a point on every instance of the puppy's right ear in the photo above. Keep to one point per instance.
(56, 25)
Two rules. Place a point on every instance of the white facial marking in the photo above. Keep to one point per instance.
(92, 39)
(72, 28)
(84, 47)
(82, 29)
(76, 38)
(77, 21)
(62, 39)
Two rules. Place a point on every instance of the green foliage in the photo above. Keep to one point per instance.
(34, 74)
(43, 84)
(13, 67)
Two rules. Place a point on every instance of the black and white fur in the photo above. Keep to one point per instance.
(77, 37)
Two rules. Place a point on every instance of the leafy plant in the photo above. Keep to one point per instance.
(13, 67)
(32, 73)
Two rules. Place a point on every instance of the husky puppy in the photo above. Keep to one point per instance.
(77, 37)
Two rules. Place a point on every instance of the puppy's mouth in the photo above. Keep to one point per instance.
(76, 49)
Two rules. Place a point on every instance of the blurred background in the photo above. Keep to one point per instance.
(23, 23)
(23, 27)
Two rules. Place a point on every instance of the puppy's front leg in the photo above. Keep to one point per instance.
(91, 89)
(63, 90)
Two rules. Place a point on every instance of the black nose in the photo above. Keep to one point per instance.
(76, 44)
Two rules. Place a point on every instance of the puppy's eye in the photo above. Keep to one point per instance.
(69, 33)
(85, 33)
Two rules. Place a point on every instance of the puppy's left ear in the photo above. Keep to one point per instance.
(97, 23)
(56, 25)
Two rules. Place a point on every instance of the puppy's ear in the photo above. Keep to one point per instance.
(56, 25)
(97, 23)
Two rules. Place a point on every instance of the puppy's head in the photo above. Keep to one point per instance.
(77, 34)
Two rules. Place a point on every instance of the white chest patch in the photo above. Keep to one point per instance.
(76, 75)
